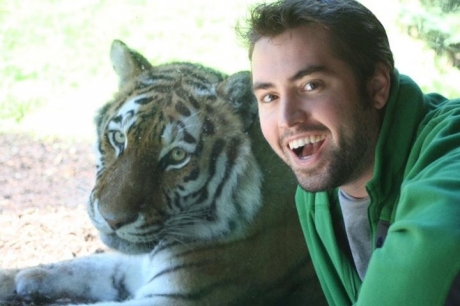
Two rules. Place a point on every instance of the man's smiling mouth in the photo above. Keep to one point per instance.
(307, 146)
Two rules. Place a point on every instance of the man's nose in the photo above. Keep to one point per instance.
(291, 111)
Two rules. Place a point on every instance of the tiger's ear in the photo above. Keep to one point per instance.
(127, 63)
(237, 90)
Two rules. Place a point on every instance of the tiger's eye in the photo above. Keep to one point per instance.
(178, 154)
(118, 137)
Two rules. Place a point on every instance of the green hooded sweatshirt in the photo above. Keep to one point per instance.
(414, 213)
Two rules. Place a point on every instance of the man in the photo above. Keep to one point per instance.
(377, 161)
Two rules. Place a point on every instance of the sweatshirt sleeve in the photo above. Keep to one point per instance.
(420, 258)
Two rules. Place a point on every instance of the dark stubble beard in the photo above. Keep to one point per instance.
(349, 158)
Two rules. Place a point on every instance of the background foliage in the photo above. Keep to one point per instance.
(54, 55)
(437, 22)
(55, 69)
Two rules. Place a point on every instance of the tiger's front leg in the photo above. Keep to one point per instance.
(7, 286)
(101, 277)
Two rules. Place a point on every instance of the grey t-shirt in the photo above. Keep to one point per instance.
(358, 230)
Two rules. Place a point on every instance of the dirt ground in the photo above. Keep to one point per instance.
(44, 186)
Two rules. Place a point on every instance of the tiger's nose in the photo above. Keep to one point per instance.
(117, 223)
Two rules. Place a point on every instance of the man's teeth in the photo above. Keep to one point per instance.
(304, 141)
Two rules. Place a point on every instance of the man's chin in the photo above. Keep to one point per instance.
(313, 182)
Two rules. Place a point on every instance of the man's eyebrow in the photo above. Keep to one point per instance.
(261, 85)
(307, 71)
(299, 74)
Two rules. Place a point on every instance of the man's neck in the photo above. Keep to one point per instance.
(357, 188)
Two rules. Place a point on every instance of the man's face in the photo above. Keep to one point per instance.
(311, 110)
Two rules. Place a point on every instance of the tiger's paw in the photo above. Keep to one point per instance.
(7, 285)
(33, 284)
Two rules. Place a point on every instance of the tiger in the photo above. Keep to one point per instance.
(196, 207)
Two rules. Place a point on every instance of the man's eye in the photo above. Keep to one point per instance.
(311, 86)
(268, 98)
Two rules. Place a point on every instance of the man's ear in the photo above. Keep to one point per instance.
(379, 86)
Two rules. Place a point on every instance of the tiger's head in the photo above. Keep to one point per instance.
(174, 161)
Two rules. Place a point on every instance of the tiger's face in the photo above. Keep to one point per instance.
(174, 160)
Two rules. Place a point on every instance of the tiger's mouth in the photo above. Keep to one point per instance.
(128, 247)
(305, 147)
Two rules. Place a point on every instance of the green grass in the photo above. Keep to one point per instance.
(54, 54)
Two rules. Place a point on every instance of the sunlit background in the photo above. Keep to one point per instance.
(54, 55)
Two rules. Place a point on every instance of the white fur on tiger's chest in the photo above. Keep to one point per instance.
(157, 275)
